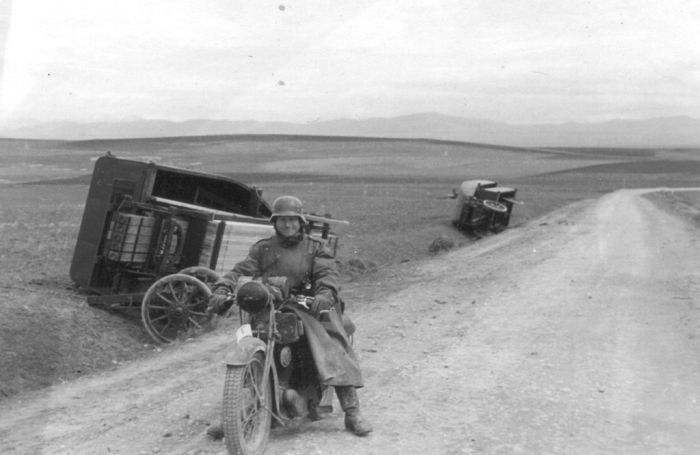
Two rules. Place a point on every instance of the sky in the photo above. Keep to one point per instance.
(514, 61)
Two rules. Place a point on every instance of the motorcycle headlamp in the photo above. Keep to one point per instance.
(252, 297)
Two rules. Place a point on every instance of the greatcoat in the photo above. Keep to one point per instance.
(307, 261)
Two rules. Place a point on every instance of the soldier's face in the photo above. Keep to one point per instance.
(287, 226)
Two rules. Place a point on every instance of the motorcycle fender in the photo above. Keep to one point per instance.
(244, 350)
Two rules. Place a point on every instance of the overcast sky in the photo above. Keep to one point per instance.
(518, 61)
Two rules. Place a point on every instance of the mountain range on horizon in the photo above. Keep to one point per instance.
(678, 131)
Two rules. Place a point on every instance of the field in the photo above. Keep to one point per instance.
(391, 191)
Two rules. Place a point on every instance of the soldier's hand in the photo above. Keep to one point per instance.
(305, 301)
(217, 301)
(276, 293)
(321, 302)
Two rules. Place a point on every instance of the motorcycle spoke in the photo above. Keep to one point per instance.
(256, 390)
(250, 417)
(249, 426)
(250, 414)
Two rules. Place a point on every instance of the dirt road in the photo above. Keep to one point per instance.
(576, 334)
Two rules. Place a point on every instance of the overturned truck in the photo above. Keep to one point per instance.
(154, 238)
(483, 206)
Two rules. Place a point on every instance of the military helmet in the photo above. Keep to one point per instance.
(252, 296)
(287, 206)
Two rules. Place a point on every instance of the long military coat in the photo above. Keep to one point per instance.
(309, 260)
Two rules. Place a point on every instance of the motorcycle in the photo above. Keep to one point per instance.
(271, 375)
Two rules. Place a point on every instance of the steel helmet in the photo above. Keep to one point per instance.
(287, 206)
(252, 296)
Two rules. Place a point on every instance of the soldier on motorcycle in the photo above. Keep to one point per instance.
(293, 254)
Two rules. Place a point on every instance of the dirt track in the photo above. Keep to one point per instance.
(578, 333)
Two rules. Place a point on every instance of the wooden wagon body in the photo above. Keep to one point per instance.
(143, 222)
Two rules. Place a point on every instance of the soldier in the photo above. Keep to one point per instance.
(291, 253)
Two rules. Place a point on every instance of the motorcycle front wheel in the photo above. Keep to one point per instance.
(246, 408)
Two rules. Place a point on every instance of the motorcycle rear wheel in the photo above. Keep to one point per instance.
(246, 408)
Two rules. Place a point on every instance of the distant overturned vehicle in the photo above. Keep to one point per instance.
(482, 206)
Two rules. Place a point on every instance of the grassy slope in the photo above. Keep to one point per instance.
(685, 205)
(390, 191)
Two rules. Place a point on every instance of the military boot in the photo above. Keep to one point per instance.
(347, 396)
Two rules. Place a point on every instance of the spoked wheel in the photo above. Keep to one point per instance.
(174, 307)
(495, 206)
(203, 274)
(247, 408)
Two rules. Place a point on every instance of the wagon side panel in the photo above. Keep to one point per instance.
(112, 179)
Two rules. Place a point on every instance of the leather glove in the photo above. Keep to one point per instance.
(276, 293)
(322, 302)
(305, 301)
(218, 301)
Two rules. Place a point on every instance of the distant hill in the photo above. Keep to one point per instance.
(678, 131)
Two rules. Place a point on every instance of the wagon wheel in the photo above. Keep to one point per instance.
(203, 274)
(495, 206)
(174, 307)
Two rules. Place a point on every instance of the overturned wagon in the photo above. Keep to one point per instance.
(483, 206)
(154, 238)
